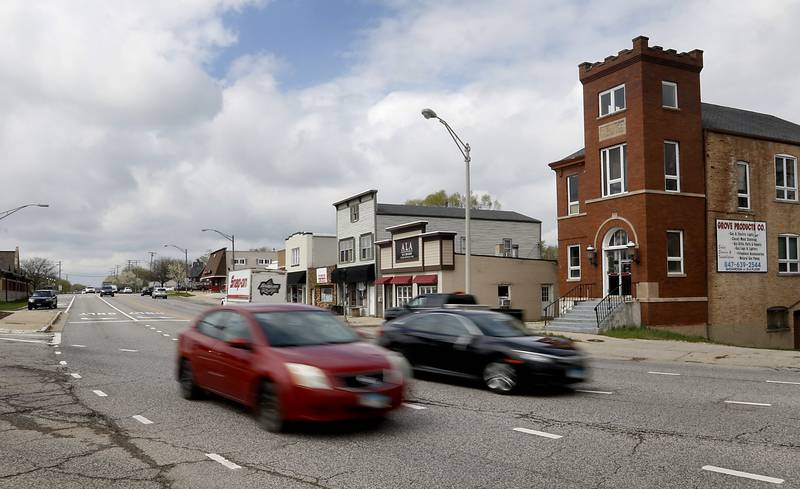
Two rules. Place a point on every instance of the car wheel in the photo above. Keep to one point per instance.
(188, 389)
(269, 409)
(500, 377)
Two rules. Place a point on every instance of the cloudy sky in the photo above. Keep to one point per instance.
(142, 122)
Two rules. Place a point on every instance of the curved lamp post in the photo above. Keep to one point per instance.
(7, 213)
(464, 148)
(229, 237)
(185, 262)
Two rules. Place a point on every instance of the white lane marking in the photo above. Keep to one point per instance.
(118, 310)
(147, 325)
(663, 373)
(174, 339)
(77, 376)
(58, 353)
(56, 339)
(62, 362)
(152, 328)
(125, 349)
(746, 475)
(79, 346)
(165, 334)
(593, 392)
(538, 433)
(100, 393)
(413, 406)
(782, 382)
(22, 341)
(227, 463)
(142, 419)
(749, 403)
(159, 331)
(66, 311)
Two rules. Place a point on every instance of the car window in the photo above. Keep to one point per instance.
(236, 326)
(417, 302)
(304, 328)
(499, 325)
(424, 323)
(42, 293)
(212, 324)
(450, 325)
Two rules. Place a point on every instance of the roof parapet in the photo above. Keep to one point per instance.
(692, 59)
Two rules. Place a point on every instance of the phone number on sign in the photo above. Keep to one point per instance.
(735, 266)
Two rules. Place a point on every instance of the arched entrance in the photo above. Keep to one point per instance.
(616, 263)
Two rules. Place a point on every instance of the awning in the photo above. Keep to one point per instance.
(349, 275)
(383, 280)
(294, 278)
(401, 280)
(426, 279)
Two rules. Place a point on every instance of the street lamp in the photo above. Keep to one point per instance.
(464, 148)
(7, 213)
(233, 244)
(185, 262)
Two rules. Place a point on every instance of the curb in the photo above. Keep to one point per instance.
(49, 325)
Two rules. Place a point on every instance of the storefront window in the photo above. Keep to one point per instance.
(326, 294)
(428, 289)
(403, 294)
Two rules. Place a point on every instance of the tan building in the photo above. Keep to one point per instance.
(414, 261)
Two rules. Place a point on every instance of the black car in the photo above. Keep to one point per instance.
(489, 346)
(147, 291)
(107, 290)
(428, 302)
(43, 298)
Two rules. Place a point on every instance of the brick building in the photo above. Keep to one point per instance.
(688, 210)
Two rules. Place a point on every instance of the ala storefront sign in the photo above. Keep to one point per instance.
(741, 246)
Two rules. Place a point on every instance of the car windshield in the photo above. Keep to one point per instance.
(42, 293)
(499, 325)
(304, 328)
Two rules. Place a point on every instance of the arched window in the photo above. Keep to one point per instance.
(619, 238)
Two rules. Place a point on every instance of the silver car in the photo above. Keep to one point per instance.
(159, 292)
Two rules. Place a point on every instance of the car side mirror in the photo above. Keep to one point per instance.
(240, 343)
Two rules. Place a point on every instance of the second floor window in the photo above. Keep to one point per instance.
(573, 203)
(785, 177)
(612, 100)
(669, 94)
(347, 250)
(788, 255)
(672, 177)
(462, 244)
(614, 166)
(742, 185)
(354, 213)
(574, 260)
(240, 261)
(295, 257)
(365, 246)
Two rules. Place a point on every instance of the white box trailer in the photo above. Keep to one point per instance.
(256, 286)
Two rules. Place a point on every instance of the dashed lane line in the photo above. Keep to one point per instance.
(58, 353)
(128, 350)
(413, 406)
(62, 362)
(227, 463)
(593, 392)
(165, 334)
(538, 433)
(79, 346)
(66, 311)
(782, 382)
(100, 393)
(142, 419)
(663, 373)
(749, 403)
(76, 376)
(174, 339)
(746, 475)
(56, 339)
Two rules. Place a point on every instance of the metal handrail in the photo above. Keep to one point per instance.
(579, 293)
(607, 305)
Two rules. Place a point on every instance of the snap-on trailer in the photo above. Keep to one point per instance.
(256, 286)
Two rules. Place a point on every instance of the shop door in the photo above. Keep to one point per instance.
(387, 297)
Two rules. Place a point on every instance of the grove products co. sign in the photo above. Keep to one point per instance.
(741, 246)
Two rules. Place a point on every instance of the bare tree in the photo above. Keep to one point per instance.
(177, 272)
(40, 271)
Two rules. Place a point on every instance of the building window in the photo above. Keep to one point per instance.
(612, 100)
(546, 294)
(615, 168)
(777, 318)
(403, 294)
(574, 260)
(240, 261)
(672, 167)
(504, 295)
(785, 177)
(365, 246)
(788, 256)
(675, 252)
(347, 250)
(669, 94)
(428, 289)
(354, 213)
(573, 204)
(743, 185)
(326, 294)
(507, 247)
(295, 257)
(462, 244)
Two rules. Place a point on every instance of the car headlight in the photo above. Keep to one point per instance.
(30, 300)
(307, 376)
(399, 369)
(532, 356)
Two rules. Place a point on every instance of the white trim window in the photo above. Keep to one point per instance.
(365, 246)
(347, 250)
(672, 166)
(462, 244)
(354, 212)
(427, 289)
(614, 168)
(295, 257)
(674, 252)
(788, 253)
(669, 94)
(573, 200)
(785, 177)
(574, 262)
(612, 100)
(743, 185)
(403, 294)
(240, 261)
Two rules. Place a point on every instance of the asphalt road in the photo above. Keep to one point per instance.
(104, 412)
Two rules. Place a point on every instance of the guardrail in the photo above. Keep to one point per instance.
(560, 306)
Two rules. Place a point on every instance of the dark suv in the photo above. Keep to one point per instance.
(107, 290)
(43, 298)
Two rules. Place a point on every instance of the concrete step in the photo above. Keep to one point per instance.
(571, 328)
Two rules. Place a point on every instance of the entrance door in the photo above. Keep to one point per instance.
(387, 296)
(547, 297)
(617, 264)
(797, 330)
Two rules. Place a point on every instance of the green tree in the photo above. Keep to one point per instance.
(548, 252)
(442, 199)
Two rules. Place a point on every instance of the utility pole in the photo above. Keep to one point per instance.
(152, 254)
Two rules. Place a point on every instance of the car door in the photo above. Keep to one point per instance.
(205, 349)
(237, 363)
(416, 339)
(448, 345)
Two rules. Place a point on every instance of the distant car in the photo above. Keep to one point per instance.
(127, 290)
(43, 298)
(89, 290)
(147, 291)
(484, 345)
(159, 292)
(289, 362)
(107, 290)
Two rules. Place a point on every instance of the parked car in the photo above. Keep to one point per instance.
(289, 362)
(159, 292)
(127, 290)
(147, 291)
(485, 345)
(428, 302)
(107, 290)
(43, 298)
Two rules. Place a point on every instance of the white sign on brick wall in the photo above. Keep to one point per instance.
(322, 275)
(741, 246)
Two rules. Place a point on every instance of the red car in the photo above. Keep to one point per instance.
(289, 362)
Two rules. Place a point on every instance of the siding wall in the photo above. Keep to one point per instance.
(431, 252)
(346, 229)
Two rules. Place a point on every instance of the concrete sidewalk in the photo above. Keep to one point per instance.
(25, 320)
